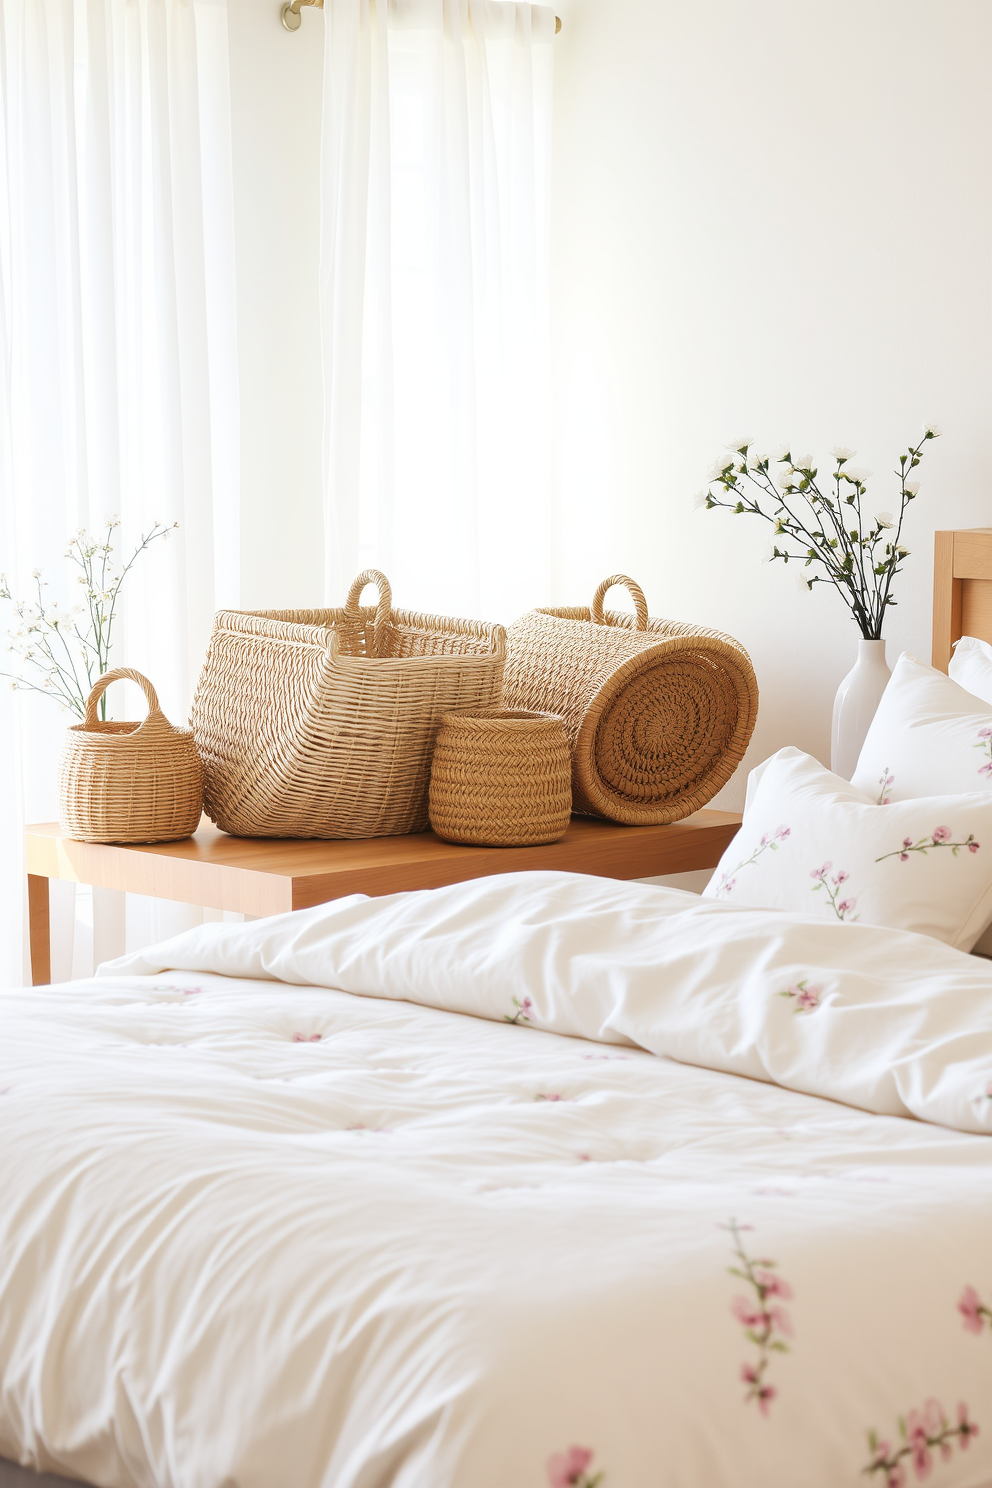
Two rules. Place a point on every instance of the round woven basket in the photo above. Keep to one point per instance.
(658, 713)
(129, 782)
(501, 778)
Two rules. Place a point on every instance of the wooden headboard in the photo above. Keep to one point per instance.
(962, 589)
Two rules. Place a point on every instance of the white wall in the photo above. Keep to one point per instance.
(771, 217)
(275, 105)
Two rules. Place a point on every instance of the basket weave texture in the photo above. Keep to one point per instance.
(501, 779)
(129, 782)
(321, 723)
(658, 713)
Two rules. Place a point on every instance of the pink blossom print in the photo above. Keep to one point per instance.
(939, 837)
(842, 902)
(985, 745)
(805, 999)
(570, 1469)
(521, 1011)
(885, 783)
(769, 843)
(973, 1311)
(920, 1434)
(763, 1319)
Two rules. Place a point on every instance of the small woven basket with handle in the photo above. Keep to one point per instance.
(501, 778)
(129, 782)
(658, 713)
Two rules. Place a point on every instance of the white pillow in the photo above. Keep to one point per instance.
(971, 667)
(929, 737)
(811, 841)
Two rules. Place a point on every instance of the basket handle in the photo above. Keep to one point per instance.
(123, 674)
(633, 589)
(383, 609)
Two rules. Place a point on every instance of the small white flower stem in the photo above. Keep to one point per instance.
(819, 550)
(915, 456)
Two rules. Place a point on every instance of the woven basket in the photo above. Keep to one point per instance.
(321, 723)
(658, 713)
(501, 779)
(129, 782)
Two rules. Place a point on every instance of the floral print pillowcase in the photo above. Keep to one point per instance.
(929, 737)
(813, 842)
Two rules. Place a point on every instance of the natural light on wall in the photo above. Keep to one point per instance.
(434, 279)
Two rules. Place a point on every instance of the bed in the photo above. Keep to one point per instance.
(962, 589)
(536, 1180)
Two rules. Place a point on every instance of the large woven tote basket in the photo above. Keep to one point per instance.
(129, 782)
(658, 713)
(321, 723)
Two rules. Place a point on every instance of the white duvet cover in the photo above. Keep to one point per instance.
(261, 1233)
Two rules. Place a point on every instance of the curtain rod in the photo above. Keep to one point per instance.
(292, 19)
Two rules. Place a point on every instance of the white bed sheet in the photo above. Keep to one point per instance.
(260, 1235)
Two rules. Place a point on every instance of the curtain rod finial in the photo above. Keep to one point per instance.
(291, 17)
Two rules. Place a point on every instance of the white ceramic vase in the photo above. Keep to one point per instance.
(857, 698)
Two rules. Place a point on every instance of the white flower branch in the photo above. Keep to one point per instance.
(826, 532)
(63, 652)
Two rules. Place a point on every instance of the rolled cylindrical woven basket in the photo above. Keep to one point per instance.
(658, 713)
(501, 778)
(129, 782)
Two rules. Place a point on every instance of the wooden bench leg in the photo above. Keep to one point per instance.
(39, 931)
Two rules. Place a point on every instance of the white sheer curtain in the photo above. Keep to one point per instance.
(434, 282)
(118, 380)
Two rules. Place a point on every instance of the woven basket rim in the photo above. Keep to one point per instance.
(512, 719)
(279, 626)
(582, 615)
(621, 620)
(111, 731)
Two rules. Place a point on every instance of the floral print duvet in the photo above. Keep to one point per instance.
(540, 1180)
